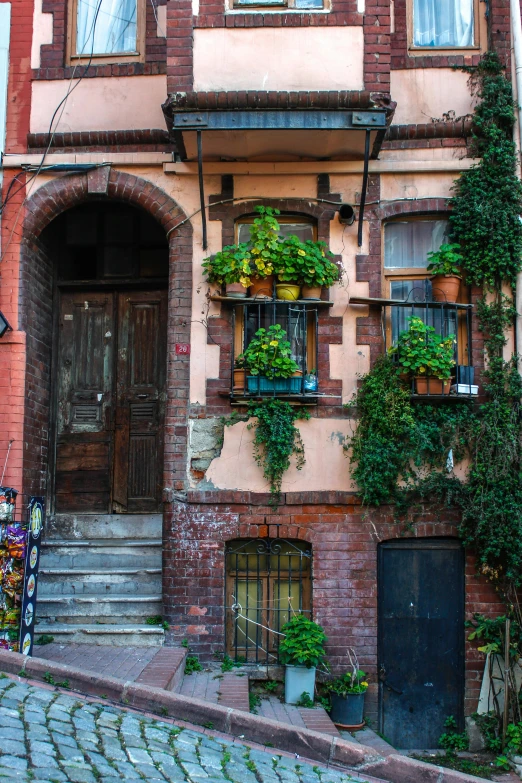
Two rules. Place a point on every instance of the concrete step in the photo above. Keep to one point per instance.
(95, 526)
(118, 635)
(92, 555)
(102, 581)
(103, 609)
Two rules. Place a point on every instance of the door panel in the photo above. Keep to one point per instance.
(140, 401)
(421, 639)
(84, 428)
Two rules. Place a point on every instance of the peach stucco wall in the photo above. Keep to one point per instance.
(111, 103)
(276, 58)
(236, 469)
(423, 94)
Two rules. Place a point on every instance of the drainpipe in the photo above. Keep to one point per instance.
(516, 37)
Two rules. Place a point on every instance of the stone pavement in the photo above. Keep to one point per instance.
(47, 736)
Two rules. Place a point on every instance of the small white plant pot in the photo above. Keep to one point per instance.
(298, 680)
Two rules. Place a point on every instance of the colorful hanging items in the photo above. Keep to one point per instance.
(13, 550)
(7, 503)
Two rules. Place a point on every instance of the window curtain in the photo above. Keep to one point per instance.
(444, 23)
(110, 31)
(407, 244)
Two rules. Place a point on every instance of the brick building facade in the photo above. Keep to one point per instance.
(117, 142)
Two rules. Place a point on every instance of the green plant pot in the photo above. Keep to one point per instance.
(347, 710)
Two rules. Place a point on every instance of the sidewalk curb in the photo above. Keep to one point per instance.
(311, 744)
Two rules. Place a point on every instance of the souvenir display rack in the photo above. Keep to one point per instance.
(19, 561)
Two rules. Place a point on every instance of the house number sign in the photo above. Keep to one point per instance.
(182, 349)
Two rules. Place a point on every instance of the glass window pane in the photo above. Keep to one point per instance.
(106, 27)
(291, 319)
(303, 231)
(249, 599)
(443, 23)
(444, 322)
(407, 243)
(308, 3)
(286, 602)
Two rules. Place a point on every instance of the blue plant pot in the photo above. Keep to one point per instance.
(347, 710)
(260, 383)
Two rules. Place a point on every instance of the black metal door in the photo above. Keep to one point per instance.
(421, 639)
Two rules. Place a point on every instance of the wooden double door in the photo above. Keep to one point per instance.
(111, 401)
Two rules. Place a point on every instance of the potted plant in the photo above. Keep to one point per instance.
(268, 360)
(347, 698)
(265, 248)
(426, 356)
(309, 264)
(301, 651)
(445, 266)
(230, 267)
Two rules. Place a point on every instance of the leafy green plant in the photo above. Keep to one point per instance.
(307, 263)
(445, 261)
(489, 726)
(351, 682)
(303, 643)
(492, 631)
(305, 701)
(192, 664)
(45, 638)
(452, 740)
(488, 197)
(228, 664)
(229, 265)
(254, 700)
(270, 686)
(276, 438)
(420, 351)
(268, 354)
(158, 620)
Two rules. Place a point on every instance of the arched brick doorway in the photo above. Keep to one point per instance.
(38, 312)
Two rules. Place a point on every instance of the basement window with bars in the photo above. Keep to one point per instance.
(267, 581)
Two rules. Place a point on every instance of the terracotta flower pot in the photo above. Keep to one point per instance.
(239, 380)
(236, 290)
(427, 385)
(311, 292)
(288, 291)
(262, 287)
(445, 288)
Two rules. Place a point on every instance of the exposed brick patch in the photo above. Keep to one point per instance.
(377, 53)
(165, 670)
(36, 306)
(154, 140)
(456, 129)
(52, 56)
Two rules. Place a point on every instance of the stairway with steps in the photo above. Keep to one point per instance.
(100, 579)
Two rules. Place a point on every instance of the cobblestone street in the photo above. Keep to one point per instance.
(49, 737)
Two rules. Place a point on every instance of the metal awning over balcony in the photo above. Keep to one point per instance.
(278, 126)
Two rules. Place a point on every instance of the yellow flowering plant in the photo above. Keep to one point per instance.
(307, 263)
(420, 351)
(230, 265)
(351, 682)
(268, 354)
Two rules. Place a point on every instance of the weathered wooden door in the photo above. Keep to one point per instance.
(140, 401)
(111, 398)
(421, 639)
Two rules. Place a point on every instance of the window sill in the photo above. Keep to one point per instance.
(437, 51)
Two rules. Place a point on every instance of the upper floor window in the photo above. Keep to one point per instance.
(290, 225)
(443, 24)
(106, 28)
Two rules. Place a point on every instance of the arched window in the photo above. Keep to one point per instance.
(267, 581)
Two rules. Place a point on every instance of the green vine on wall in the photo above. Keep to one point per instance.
(276, 438)
(399, 451)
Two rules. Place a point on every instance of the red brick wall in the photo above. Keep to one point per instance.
(344, 538)
(12, 345)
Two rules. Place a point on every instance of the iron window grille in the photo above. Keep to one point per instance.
(447, 318)
(267, 581)
(300, 322)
